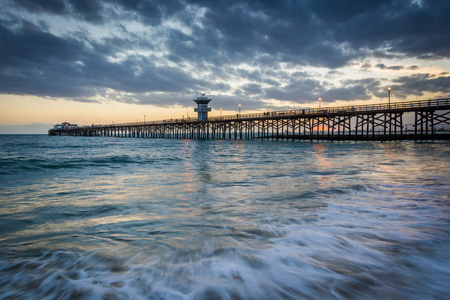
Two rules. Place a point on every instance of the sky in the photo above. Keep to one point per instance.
(115, 61)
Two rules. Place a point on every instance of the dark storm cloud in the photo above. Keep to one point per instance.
(303, 90)
(413, 28)
(289, 32)
(331, 33)
(419, 84)
(299, 89)
(265, 35)
(87, 9)
(252, 89)
(36, 62)
(50, 6)
(384, 67)
(361, 89)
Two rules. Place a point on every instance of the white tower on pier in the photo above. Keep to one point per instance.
(202, 108)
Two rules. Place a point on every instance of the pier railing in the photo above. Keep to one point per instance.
(404, 106)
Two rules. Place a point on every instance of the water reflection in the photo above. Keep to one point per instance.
(323, 165)
(320, 154)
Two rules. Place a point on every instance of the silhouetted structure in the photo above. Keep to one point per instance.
(364, 122)
(65, 126)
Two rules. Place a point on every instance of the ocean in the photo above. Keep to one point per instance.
(124, 218)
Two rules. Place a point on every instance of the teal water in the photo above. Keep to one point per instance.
(115, 218)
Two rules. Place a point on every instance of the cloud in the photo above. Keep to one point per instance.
(50, 6)
(384, 67)
(419, 84)
(300, 90)
(160, 52)
(39, 63)
(361, 89)
(397, 26)
(66, 67)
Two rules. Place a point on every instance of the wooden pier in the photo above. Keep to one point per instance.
(364, 122)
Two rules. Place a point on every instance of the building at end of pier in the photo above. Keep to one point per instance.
(202, 109)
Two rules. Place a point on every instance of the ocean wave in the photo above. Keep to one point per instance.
(304, 262)
(30, 165)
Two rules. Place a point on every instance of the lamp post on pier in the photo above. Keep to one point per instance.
(221, 113)
(239, 110)
(320, 103)
(389, 93)
(144, 119)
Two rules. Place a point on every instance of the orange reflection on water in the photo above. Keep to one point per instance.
(320, 150)
(393, 167)
(391, 151)
(186, 170)
(323, 163)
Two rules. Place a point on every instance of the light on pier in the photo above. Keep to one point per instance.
(389, 92)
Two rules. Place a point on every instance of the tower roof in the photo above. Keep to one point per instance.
(202, 99)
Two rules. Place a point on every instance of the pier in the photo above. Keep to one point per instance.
(363, 122)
